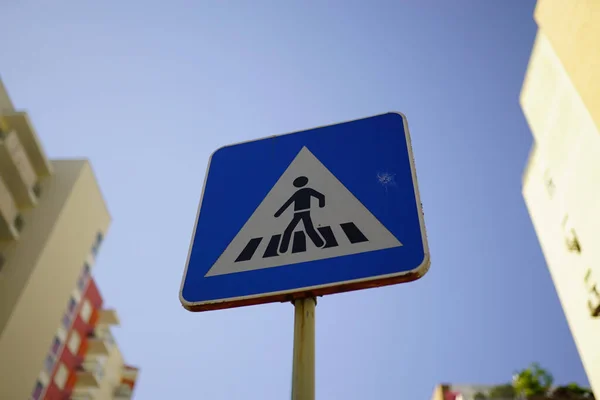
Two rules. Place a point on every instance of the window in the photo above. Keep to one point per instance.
(37, 391)
(572, 242)
(72, 306)
(74, 342)
(83, 278)
(593, 294)
(60, 378)
(594, 303)
(549, 182)
(86, 311)
(588, 279)
(96, 246)
(550, 187)
(55, 346)
(66, 321)
(49, 363)
(571, 239)
(19, 222)
(37, 190)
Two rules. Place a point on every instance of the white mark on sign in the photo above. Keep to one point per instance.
(308, 215)
(386, 179)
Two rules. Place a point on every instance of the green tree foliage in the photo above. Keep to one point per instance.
(533, 382)
(502, 392)
(572, 391)
(479, 396)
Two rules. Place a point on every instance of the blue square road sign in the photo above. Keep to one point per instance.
(309, 213)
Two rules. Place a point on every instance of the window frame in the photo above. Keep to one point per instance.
(85, 313)
(49, 367)
(72, 306)
(38, 386)
(61, 376)
(74, 337)
(84, 276)
(58, 343)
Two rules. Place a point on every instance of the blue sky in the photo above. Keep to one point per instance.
(147, 90)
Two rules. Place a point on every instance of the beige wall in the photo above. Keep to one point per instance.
(6, 104)
(562, 192)
(438, 393)
(112, 375)
(42, 269)
(573, 28)
(110, 379)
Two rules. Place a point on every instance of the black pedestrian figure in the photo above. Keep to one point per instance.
(301, 200)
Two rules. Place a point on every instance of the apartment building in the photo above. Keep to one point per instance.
(465, 392)
(83, 361)
(561, 101)
(55, 340)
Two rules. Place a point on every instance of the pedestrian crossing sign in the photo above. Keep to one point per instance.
(317, 212)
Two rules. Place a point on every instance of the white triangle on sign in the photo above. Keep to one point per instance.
(353, 228)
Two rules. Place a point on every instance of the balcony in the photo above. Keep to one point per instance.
(129, 374)
(81, 396)
(19, 122)
(11, 221)
(90, 374)
(16, 170)
(108, 317)
(100, 343)
(123, 392)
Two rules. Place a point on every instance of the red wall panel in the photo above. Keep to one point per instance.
(72, 361)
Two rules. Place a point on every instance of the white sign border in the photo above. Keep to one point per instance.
(317, 290)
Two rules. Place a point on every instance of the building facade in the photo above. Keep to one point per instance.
(55, 340)
(561, 183)
(466, 392)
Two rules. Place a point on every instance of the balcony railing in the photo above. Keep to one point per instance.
(130, 373)
(123, 392)
(16, 170)
(90, 374)
(108, 317)
(99, 343)
(11, 220)
(81, 396)
(19, 122)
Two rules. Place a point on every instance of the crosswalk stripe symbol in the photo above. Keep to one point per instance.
(353, 234)
(308, 215)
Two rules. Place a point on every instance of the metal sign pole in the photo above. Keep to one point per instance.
(303, 368)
